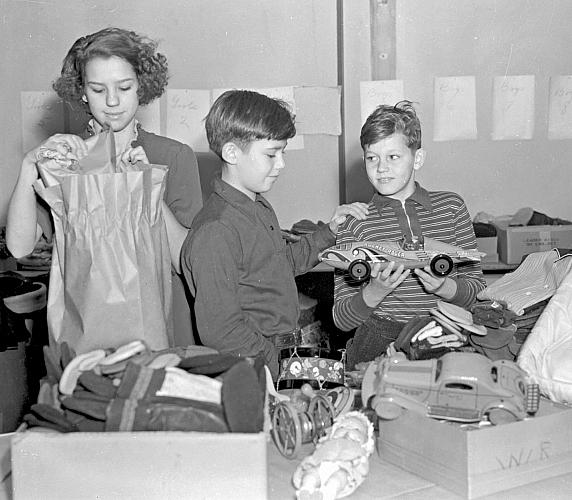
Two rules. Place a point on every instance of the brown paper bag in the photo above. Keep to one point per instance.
(110, 280)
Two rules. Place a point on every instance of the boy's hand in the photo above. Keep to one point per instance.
(382, 283)
(442, 286)
(358, 210)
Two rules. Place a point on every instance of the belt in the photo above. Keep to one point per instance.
(288, 339)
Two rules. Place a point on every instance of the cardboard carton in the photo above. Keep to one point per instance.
(475, 461)
(516, 242)
(139, 465)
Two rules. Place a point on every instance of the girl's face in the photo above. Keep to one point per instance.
(391, 166)
(110, 86)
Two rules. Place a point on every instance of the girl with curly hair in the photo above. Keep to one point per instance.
(110, 74)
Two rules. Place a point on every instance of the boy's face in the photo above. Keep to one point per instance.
(256, 168)
(391, 166)
(111, 91)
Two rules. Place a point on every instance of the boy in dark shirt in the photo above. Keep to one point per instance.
(237, 265)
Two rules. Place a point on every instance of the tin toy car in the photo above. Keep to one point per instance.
(458, 386)
(358, 257)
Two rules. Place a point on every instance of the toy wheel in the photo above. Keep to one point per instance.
(286, 429)
(499, 416)
(386, 410)
(359, 270)
(441, 264)
(321, 412)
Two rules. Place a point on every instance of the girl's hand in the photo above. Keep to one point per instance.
(133, 155)
(64, 147)
(358, 210)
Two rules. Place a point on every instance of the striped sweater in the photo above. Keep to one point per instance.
(439, 215)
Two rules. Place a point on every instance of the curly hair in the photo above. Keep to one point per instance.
(244, 116)
(139, 51)
(387, 120)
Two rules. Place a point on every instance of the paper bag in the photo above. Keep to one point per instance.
(110, 280)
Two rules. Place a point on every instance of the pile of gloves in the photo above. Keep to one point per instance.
(134, 389)
(447, 328)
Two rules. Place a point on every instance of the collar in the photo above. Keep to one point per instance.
(94, 128)
(420, 196)
(238, 199)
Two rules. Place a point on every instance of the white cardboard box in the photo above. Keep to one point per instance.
(481, 461)
(139, 465)
(516, 242)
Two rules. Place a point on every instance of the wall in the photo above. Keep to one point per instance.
(488, 38)
(264, 43)
(209, 44)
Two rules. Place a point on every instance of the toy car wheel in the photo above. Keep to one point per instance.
(322, 413)
(499, 416)
(386, 410)
(286, 429)
(359, 270)
(441, 264)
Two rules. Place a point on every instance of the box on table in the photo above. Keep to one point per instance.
(137, 465)
(479, 461)
(516, 242)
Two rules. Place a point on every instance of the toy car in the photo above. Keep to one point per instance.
(458, 386)
(358, 257)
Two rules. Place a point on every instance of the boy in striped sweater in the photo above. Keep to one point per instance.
(400, 208)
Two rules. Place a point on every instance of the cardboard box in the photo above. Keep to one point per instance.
(139, 465)
(479, 461)
(516, 242)
(5, 465)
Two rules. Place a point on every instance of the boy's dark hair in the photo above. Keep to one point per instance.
(387, 120)
(243, 116)
(139, 51)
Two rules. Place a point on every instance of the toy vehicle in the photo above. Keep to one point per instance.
(458, 386)
(358, 257)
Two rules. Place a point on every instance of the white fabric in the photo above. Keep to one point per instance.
(547, 352)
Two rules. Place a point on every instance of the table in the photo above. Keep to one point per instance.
(386, 481)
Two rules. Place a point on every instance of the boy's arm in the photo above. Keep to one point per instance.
(470, 279)
(349, 310)
(210, 262)
(304, 253)
(462, 287)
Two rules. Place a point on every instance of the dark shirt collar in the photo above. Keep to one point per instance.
(238, 198)
(420, 196)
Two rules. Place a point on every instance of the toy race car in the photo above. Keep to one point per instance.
(458, 386)
(358, 257)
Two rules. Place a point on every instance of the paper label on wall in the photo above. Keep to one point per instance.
(42, 117)
(286, 94)
(377, 92)
(149, 116)
(455, 108)
(513, 107)
(186, 110)
(560, 108)
(318, 110)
